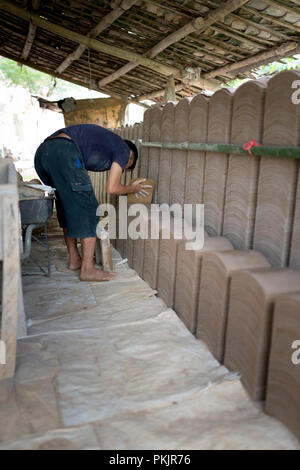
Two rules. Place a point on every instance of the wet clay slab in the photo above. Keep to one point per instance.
(154, 153)
(144, 153)
(277, 179)
(216, 164)
(196, 160)
(283, 385)
(179, 157)
(167, 135)
(294, 261)
(217, 269)
(188, 274)
(241, 188)
(250, 317)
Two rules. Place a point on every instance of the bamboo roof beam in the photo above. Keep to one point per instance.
(258, 26)
(247, 69)
(31, 32)
(156, 94)
(106, 21)
(90, 42)
(198, 25)
(253, 42)
(280, 51)
(272, 19)
(284, 7)
(99, 46)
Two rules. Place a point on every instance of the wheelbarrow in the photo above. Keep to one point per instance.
(35, 213)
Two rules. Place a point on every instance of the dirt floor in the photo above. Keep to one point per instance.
(108, 366)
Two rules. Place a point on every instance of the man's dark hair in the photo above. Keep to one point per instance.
(132, 147)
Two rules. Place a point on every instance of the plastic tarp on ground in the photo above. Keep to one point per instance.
(107, 366)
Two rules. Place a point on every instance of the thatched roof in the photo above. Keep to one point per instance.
(200, 43)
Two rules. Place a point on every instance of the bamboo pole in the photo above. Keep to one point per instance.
(31, 32)
(106, 21)
(263, 150)
(273, 52)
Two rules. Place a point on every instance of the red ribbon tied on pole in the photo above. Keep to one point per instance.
(248, 146)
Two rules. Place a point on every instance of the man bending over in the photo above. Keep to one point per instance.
(63, 161)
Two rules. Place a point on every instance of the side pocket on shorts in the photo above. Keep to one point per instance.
(79, 187)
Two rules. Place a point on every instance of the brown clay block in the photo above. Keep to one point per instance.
(188, 274)
(167, 267)
(151, 256)
(283, 385)
(294, 261)
(277, 179)
(139, 249)
(129, 246)
(217, 269)
(249, 325)
(242, 180)
(216, 164)
(167, 135)
(179, 157)
(119, 244)
(196, 160)
(154, 153)
(138, 256)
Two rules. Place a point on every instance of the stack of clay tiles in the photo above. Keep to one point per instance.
(239, 293)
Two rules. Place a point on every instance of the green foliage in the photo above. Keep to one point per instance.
(270, 69)
(39, 83)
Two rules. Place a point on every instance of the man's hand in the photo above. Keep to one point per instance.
(140, 189)
(114, 185)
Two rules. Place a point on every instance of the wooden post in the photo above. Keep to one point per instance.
(170, 92)
(123, 110)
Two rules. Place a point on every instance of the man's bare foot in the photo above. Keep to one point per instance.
(96, 275)
(75, 264)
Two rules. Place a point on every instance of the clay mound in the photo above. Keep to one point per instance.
(188, 275)
(283, 398)
(250, 315)
(196, 160)
(167, 135)
(242, 180)
(216, 165)
(217, 269)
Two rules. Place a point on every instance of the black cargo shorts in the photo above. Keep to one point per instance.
(59, 164)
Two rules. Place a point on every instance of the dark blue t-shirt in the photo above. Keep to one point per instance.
(98, 146)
